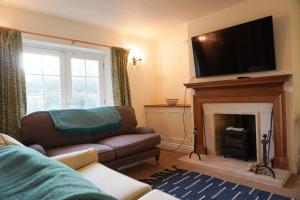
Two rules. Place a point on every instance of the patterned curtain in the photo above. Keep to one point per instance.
(121, 90)
(12, 82)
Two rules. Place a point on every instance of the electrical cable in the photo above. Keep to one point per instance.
(183, 121)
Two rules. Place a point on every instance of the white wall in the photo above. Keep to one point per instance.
(142, 77)
(173, 66)
(295, 9)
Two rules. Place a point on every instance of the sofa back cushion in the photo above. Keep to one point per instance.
(128, 123)
(38, 128)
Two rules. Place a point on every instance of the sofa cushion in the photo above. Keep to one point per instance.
(38, 148)
(78, 159)
(128, 123)
(105, 153)
(125, 145)
(116, 184)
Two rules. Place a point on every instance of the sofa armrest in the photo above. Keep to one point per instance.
(8, 140)
(38, 148)
(143, 130)
(78, 159)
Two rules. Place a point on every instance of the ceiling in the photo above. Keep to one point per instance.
(144, 18)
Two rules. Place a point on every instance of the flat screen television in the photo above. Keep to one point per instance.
(244, 48)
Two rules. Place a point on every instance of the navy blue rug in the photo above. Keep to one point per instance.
(189, 185)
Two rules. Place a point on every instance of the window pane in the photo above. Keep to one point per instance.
(78, 101)
(92, 67)
(51, 84)
(78, 85)
(52, 102)
(34, 103)
(92, 85)
(92, 101)
(51, 65)
(34, 84)
(32, 63)
(78, 67)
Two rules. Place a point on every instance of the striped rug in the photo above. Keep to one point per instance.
(189, 185)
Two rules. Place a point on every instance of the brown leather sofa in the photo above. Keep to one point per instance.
(125, 146)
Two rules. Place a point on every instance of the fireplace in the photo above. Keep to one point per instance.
(236, 136)
(255, 118)
(260, 90)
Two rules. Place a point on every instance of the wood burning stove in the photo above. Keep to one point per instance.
(238, 135)
(236, 142)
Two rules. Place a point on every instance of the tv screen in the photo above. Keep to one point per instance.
(247, 47)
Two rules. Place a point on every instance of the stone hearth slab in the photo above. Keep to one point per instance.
(237, 168)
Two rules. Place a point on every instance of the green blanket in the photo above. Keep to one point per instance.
(26, 174)
(86, 121)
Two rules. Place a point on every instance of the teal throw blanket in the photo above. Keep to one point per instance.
(28, 175)
(86, 121)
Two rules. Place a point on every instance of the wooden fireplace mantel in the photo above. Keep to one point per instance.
(267, 89)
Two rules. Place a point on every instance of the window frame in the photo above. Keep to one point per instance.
(59, 54)
(68, 68)
(65, 53)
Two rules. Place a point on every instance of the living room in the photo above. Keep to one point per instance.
(156, 38)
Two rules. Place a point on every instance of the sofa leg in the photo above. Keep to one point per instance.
(157, 159)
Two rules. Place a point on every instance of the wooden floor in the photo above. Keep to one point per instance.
(168, 159)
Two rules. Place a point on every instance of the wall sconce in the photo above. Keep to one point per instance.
(134, 60)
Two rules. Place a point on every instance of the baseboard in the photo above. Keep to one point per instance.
(169, 146)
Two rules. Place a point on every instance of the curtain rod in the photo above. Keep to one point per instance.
(62, 38)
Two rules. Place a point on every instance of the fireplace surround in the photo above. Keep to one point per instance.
(267, 89)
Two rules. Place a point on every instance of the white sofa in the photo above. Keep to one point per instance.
(109, 181)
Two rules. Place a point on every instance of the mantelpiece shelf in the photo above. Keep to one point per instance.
(276, 79)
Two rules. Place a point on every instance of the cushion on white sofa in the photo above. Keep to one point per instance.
(78, 159)
(114, 183)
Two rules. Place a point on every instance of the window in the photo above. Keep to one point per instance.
(85, 83)
(43, 81)
(63, 79)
